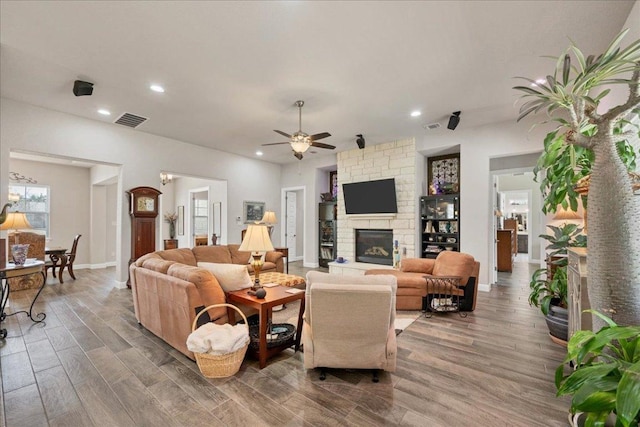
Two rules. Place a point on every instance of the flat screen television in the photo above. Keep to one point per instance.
(370, 197)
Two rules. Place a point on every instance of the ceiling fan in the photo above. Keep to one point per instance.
(300, 141)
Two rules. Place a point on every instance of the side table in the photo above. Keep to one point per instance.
(285, 253)
(10, 271)
(276, 295)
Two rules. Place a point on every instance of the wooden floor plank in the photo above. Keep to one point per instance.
(492, 368)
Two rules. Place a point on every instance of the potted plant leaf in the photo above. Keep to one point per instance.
(606, 377)
(550, 295)
(573, 97)
(549, 285)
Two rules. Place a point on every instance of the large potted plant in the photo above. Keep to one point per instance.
(550, 295)
(577, 88)
(606, 375)
(549, 285)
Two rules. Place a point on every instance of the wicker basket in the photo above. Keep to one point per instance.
(220, 365)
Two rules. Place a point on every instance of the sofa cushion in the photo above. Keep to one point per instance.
(157, 264)
(404, 279)
(217, 254)
(232, 277)
(450, 263)
(208, 287)
(183, 256)
(239, 257)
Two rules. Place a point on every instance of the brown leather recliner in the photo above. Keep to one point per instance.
(413, 288)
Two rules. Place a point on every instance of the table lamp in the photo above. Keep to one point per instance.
(17, 221)
(269, 219)
(256, 240)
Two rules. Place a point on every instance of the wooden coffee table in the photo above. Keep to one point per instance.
(275, 296)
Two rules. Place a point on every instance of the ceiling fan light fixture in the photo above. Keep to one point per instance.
(300, 142)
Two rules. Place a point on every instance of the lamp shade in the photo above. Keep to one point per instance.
(15, 221)
(269, 218)
(256, 239)
(565, 214)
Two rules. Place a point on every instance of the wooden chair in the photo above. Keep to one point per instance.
(71, 256)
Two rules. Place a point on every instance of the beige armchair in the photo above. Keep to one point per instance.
(349, 322)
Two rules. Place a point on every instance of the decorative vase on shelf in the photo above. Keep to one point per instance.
(19, 253)
(172, 230)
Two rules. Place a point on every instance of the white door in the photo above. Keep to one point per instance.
(290, 230)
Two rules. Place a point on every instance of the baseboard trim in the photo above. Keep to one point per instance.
(484, 288)
(310, 264)
(94, 266)
(120, 285)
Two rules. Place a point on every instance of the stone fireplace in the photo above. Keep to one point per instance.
(374, 246)
(388, 160)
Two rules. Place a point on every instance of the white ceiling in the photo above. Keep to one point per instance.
(233, 70)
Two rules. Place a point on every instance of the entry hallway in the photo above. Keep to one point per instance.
(91, 364)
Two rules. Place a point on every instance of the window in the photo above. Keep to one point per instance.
(200, 217)
(34, 202)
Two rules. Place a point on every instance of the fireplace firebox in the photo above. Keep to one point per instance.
(374, 246)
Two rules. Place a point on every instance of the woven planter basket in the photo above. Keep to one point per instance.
(220, 365)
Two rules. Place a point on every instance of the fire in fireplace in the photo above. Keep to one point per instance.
(374, 246)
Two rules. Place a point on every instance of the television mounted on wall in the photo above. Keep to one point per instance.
(370, 197)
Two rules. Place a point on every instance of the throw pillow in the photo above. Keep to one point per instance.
(232, 277)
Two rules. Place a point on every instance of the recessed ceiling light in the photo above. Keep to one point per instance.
(415, 113)
(104, 112)
(259, 153)
(157, 88)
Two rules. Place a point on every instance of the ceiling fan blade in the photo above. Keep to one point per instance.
(321, 145)
(276, 143)
(282, 133)
(297, 155)
(318, 136)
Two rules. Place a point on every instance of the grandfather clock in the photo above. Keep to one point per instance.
(143, 208)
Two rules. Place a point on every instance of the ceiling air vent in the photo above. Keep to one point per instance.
(130, 120)
(431, 126)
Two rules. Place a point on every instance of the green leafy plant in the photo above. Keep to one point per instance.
(546, 292)
(566, 236)
(607, 373)
(549, 285)
(573, 96)
(561, 165)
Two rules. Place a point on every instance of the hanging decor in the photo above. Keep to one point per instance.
(16, 177)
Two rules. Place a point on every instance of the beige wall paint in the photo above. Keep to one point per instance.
(70, 201)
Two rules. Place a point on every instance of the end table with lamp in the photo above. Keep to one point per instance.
(256, 240)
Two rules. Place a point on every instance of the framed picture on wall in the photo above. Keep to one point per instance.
(333, 184)
(253, 211)
(444, 174)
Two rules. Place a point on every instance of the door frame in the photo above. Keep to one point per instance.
(190, 213)
(283, 209)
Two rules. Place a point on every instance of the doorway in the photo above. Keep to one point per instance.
(294, 224)
(517, 205)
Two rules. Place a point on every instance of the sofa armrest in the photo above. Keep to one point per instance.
(417, 265)
(208, 286)
(277, 259)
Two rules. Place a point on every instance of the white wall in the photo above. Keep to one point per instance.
(142, 157)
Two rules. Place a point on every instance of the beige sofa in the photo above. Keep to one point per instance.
(169, 289)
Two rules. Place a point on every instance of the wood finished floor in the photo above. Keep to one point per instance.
(92, 364)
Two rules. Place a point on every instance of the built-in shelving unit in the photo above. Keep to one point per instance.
(327, 226)
(440, 215)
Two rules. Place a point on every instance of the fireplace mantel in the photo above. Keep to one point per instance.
(371, 216)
